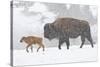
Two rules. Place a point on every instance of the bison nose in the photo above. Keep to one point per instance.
(20, 40)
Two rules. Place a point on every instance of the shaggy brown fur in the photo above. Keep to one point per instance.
(30, 40)
(65, 28)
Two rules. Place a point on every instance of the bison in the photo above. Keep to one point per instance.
(65, 28)
(30, 40)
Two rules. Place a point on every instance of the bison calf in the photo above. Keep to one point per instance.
(65, 28)
(30, 40)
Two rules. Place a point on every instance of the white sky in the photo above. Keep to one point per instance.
(44, 12)
(93, 9)
(68, 6)
(38, 7)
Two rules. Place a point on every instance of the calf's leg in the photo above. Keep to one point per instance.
(27, 48)
(43, 47)
(31, 48)
(38, 48)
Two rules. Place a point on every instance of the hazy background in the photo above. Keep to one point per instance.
(30, 17)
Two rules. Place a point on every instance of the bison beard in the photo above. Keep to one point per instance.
(65, 28)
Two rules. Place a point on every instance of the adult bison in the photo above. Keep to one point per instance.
(65, 28)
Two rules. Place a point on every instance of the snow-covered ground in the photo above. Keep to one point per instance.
(53, 55)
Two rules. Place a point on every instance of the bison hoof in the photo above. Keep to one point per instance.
(59, 48)
(27, 51)
(67, 48)
(92, 46)
(80, 47)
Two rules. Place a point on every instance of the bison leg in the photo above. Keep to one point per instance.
(27, 48)
(40, 45)
(67, 43)
(90, 40)
(83, 40)
(43, 47)
(38, 48)
(31, 48)
(88, 36)
(60, 43)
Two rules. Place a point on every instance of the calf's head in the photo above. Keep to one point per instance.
(22, 39)
(49, 31)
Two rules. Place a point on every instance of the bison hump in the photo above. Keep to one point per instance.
(70, 25)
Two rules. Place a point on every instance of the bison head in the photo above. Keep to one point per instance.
(22, 39)
(49, 31)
